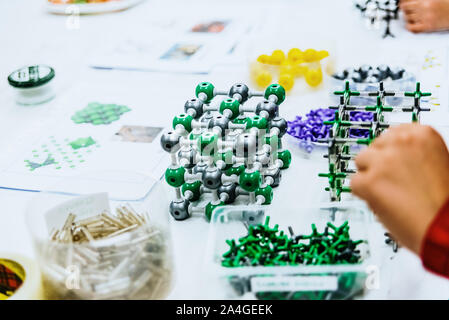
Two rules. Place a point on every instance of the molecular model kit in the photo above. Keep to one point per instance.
(342, 148)
(378, 12)
(222, 149)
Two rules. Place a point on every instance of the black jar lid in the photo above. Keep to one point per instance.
(31, 76)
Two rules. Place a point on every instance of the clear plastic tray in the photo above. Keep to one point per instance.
(343, 281)
(137, 264)
(407, 83)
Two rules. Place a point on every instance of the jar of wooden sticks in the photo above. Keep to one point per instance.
(91, 247)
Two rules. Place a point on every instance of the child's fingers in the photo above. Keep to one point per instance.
(416, 27)
(405, 3)
(364, 159)
(360, 184)
(412, 18)
(410, 7)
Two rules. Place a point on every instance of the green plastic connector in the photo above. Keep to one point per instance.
(208, 143)
(207, 88)
(277, 90)
(365, 141)
(175, 176)
(193, 187)
(266, 192)
(185, 120)
(347, 93)
(230, 104)
(250, 181)
(241, 120)
(286, 158)
(379, 107)
(265, 246)
(333, 177)
(417, 93)
(210, 209)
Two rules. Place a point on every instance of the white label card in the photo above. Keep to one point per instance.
(294, 283)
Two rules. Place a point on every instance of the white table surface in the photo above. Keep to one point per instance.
(30, 35)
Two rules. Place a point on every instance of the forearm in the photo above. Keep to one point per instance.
(435, 246)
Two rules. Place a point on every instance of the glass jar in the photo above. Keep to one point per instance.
(33, 84)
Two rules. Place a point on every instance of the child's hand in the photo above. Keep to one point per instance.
(404, 177)
(426, 15)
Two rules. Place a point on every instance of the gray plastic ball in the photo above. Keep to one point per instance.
(279, 123)
(200, 167)
(269, 107)
(221, 122)
(212, 178)
(170, 141)
(276, 175)
(196, 105)
(190, 155)
(230, 190)
(179, 209)
(240, 88)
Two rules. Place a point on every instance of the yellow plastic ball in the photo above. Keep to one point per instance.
(300, 70)
(295, 55)
(263, 79)
(277, 57)
(310, 55)
(287, 81)
(263, 58)
(287, 67)
(322, 54)
(314, 77)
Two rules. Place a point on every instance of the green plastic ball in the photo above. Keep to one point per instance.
(208, 143)
(210, 209)
(230, 104)
(250, 181)
(257, 122)
(237, 170)
(185, 120)
(277, 90)
(240, 120)
(266, 192)
(286, 158)
(175, 176)
(194, 187)
(207, 88)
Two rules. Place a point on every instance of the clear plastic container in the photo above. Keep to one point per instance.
(263, 74)
(406, 83)
(134, 264)
(343, 281)
(306, 150)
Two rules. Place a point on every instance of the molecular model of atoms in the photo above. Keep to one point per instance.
(225, 149)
